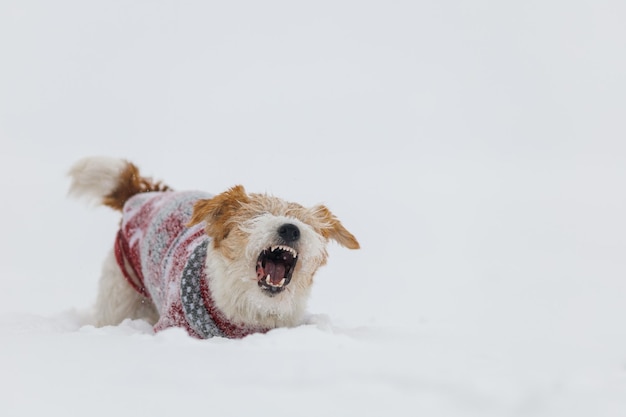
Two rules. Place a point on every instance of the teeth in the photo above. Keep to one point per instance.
(268, 281)
(285, 248)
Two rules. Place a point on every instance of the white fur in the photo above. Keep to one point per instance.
(95, 177)
(117, 300)
(234, 283)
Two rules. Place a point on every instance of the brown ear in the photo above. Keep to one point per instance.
(333, 229)
(218, 212)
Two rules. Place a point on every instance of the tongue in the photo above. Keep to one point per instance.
(276, 271)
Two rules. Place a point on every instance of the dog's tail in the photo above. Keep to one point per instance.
(109, 181)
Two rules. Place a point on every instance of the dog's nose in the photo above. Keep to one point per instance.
(289, 232)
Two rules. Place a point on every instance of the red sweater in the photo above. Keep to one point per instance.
(165, 261)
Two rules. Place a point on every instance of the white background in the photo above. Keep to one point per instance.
(476, 149)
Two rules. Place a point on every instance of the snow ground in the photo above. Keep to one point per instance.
(475, 149)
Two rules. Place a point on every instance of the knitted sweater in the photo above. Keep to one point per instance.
(164, 260)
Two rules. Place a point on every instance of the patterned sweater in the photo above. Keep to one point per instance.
(164, 260)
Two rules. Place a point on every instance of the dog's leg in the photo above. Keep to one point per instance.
(117, 300)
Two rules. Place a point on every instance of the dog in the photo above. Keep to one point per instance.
(226, 265)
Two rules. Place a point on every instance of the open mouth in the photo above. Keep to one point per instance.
(274, 268)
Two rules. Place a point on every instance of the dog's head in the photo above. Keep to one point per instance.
(264, 254)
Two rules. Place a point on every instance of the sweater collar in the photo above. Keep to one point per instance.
(199, 307)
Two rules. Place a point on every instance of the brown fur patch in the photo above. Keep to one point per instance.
(129, 184)
(333, 229)
(219, 212)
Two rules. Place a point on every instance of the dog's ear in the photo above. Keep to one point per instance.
(331, 228)
(219, 212)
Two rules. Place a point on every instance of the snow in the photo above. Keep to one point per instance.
(475, 149)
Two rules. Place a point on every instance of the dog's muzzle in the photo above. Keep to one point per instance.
(274, 268)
